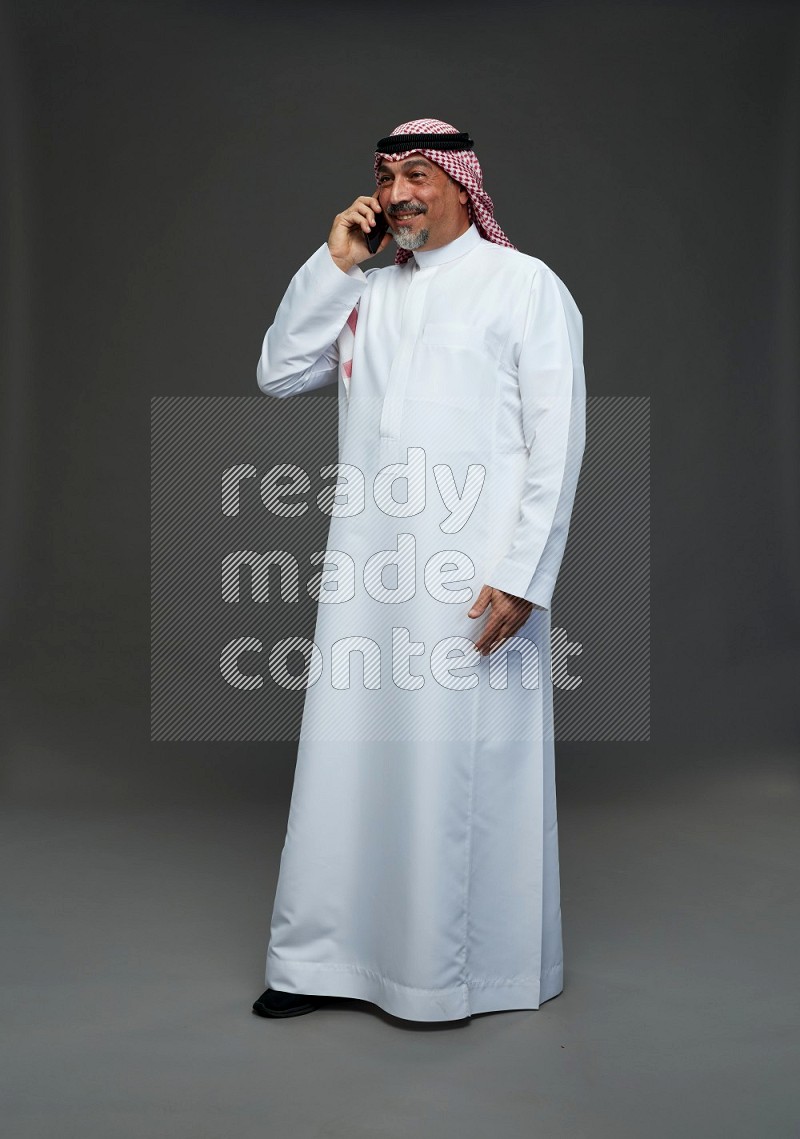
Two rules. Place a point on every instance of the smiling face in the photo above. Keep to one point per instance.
(422, 203)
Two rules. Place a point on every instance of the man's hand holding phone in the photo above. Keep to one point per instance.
(358, 232)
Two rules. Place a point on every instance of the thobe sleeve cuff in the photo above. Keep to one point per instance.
(515, 578)
(355, 273)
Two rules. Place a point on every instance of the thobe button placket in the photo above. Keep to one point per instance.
(410, 327)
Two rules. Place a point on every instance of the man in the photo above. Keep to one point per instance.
(420, 868)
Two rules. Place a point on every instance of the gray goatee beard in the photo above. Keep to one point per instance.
(408, 240)
(403, 234)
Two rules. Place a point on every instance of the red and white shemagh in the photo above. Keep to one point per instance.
(464, 168)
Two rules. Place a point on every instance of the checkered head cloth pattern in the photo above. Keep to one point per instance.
(461, 165)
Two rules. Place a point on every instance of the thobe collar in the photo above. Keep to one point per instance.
(460, 245)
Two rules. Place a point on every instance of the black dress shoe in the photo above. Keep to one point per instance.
(274, 1003)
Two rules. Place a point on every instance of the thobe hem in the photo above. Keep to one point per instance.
(456, 1003)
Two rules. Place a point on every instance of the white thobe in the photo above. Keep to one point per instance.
(420, 866)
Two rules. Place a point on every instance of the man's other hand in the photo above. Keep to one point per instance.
(346, 239)
(508, 614)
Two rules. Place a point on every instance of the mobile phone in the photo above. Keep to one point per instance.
(375, 235)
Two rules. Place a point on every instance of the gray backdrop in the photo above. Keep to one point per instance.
(166, 169)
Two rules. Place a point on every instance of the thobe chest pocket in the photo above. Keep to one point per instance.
(450, 334)
(455, 364)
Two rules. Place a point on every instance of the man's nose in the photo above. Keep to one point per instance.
(400, 191)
